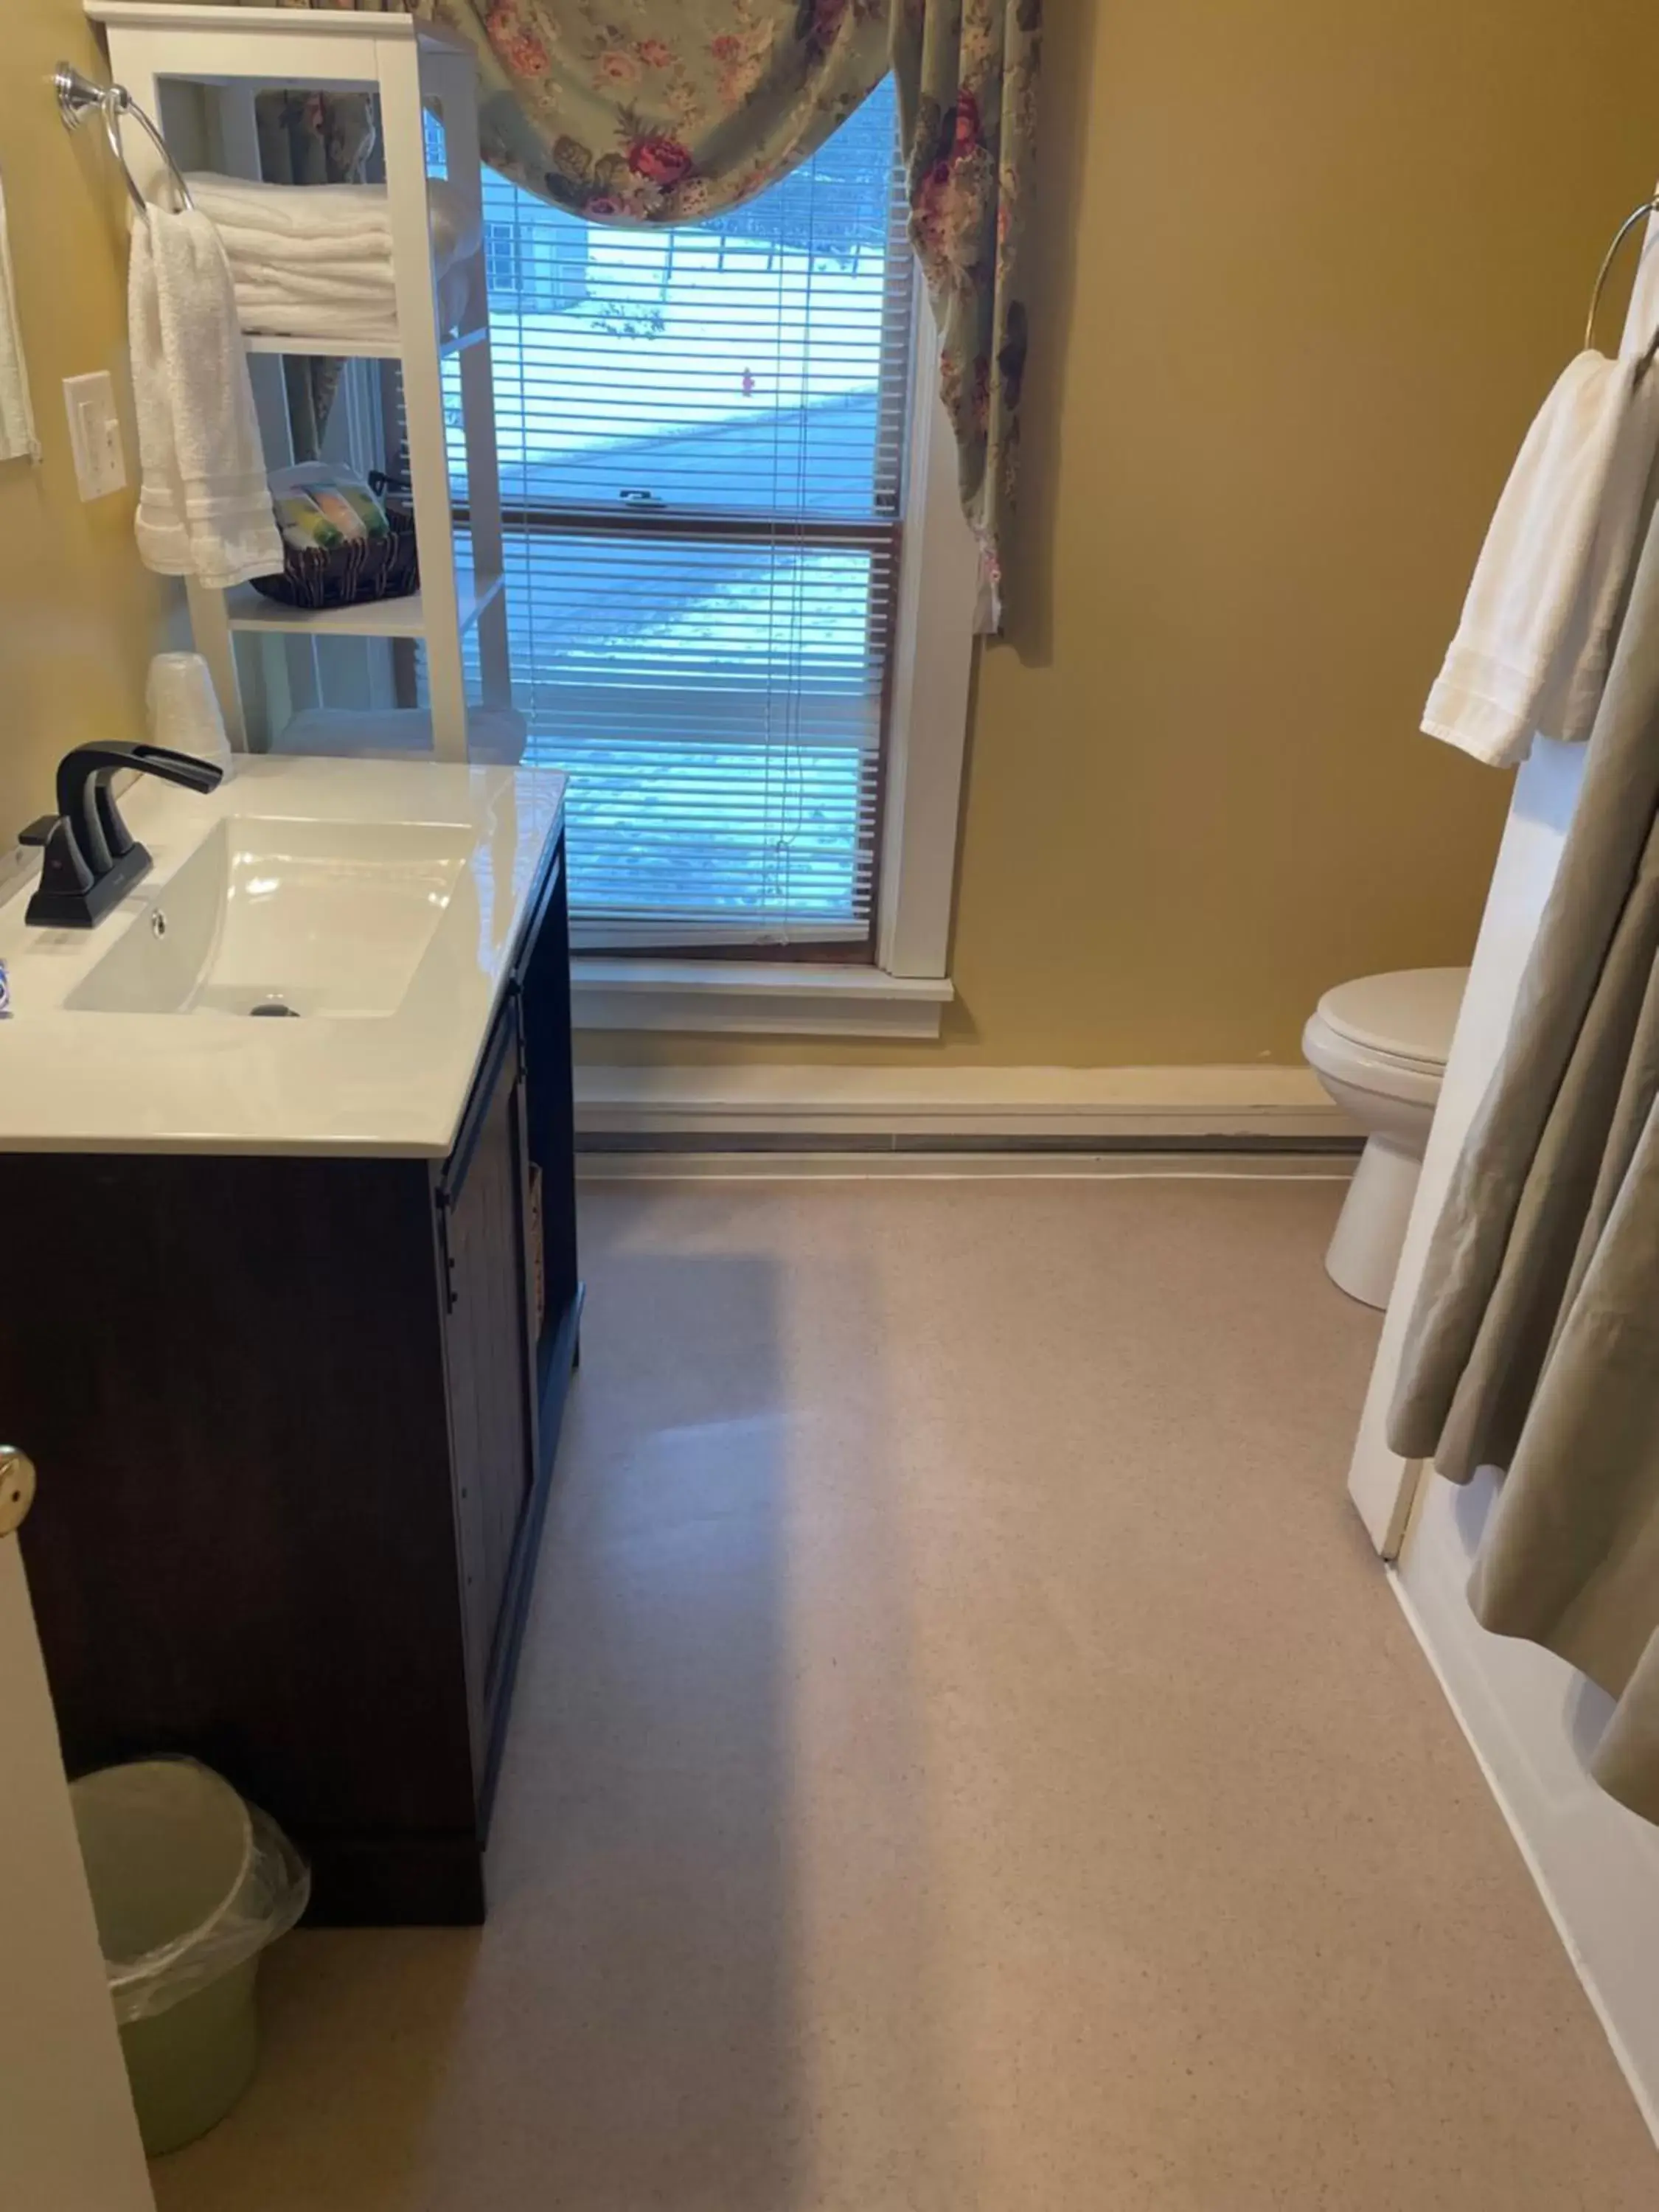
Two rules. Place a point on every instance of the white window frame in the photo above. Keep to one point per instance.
(904, 993)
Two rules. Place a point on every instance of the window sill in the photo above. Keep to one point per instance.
(757, 997)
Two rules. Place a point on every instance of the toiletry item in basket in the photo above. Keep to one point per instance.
(340, 544)
(304, 525)
(355, 495)
(341, 494)
(338, 511)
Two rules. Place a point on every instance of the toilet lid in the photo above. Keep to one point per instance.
(1409, 1014)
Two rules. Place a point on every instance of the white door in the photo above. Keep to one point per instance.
(68, 2136)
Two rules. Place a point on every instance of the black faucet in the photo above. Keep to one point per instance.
(91, 857)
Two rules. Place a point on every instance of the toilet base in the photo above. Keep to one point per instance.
(1364, 1252)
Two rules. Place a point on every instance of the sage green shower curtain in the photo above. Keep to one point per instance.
(1534, 1345)
(670, 110)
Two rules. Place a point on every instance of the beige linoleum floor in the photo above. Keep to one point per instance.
(966, 1760)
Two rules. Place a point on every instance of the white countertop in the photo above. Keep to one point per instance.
(394, 1084)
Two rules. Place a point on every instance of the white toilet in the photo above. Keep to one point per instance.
(1379, 1046)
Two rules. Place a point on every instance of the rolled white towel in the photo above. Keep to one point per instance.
(337, 285)
(304, 221)
(367, 311)
(303, 319)
(246, 249)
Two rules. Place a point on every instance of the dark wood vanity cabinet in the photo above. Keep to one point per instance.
(295, 1419)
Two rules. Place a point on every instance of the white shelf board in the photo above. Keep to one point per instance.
(282, 22)
(355, 348)
(406, 617)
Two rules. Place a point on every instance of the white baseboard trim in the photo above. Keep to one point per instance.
(676, 1165)
(1038, 1106)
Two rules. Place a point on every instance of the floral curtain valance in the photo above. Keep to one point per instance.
(664, 110)
(669, 111)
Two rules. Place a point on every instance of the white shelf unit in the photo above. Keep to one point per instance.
(230, 54)
(259, 341)
(248, 609)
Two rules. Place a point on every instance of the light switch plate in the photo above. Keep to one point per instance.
(95, 433)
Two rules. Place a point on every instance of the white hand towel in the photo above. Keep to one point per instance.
(1567, 706)
(17, 439)
(159, 524)
(1531, 649)
(203, 504)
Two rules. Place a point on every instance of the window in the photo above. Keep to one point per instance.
(702, 436)
(532, 270)
(501, 247)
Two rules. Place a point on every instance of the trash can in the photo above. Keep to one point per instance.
(189, 1885)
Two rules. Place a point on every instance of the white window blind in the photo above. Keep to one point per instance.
(701, 449)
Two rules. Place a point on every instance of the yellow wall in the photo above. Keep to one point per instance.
(79, 617)
(1308, 269)
(1305, 272)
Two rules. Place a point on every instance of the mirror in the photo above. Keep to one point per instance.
(17, 438)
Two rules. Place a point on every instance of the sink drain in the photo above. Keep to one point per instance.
(275, 1007)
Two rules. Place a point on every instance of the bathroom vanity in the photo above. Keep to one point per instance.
(292, 1302)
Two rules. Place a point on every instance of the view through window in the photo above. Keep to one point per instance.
(701, 433)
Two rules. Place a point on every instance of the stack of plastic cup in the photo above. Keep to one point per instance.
(184, 709)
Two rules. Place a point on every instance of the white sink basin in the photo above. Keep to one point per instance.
(381, 900)
(290, 917)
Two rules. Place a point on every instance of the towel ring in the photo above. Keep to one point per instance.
(78, 95)
(1637, 215)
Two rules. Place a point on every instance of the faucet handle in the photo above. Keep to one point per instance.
(65, 874)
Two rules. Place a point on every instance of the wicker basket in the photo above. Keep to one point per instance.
(359, 568)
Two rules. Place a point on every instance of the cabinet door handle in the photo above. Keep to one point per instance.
(445, 1258)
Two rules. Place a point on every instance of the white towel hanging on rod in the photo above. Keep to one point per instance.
(1536, 638)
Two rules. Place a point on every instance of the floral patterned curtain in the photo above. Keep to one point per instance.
(966, 74)
(667, 111)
